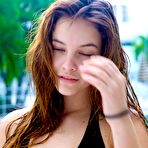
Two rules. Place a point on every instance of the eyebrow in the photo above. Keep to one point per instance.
(85, 45)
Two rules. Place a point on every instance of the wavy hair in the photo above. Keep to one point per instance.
(47, 111)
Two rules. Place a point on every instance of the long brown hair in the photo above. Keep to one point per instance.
(47, 111)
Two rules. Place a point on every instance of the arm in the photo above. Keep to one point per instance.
(129, 132)
(103, 74)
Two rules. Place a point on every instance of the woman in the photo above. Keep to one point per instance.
(83, 94)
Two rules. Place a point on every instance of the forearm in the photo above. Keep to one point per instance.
(123, 133)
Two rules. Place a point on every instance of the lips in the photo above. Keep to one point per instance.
(68, 79)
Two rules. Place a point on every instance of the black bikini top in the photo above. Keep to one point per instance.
(92, 137)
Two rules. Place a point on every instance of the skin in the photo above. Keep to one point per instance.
(70, 51)
(94, 70)
(73, 42)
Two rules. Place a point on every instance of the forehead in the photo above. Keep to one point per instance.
(76, 32)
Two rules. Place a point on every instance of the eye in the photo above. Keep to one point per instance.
(59, 49)
(84, 54)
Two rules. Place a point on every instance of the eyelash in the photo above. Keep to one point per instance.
(62, 50)
(88, 55)
(58, 49)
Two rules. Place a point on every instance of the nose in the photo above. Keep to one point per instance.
(69, 64)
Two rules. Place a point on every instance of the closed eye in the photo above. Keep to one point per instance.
(84, 54)
(59, 49)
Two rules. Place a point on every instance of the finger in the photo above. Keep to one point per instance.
(101, 64)
(104, 73)
(96, 72)
(106, 61)
(99, 84)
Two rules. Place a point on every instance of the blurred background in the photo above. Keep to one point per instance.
(16, 20)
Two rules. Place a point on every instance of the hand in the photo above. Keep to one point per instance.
(103, 74)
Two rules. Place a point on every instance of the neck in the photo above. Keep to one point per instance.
(78, 103)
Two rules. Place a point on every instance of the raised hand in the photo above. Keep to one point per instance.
(103, 74)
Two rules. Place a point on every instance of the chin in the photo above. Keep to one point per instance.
(67, 92)
(70, 90)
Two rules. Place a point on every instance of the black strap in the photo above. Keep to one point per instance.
(92, 137)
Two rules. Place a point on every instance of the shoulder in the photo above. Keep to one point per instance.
(4, 122)
(106, 133)
(15, 114)
(138, 122)
(140, 129)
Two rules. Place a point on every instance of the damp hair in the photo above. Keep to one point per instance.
(47, 112)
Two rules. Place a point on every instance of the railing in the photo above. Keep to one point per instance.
(14, 96)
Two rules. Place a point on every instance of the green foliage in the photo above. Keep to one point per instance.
(14, 16)
(141, 46)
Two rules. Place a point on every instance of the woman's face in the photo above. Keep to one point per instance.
(73, 42)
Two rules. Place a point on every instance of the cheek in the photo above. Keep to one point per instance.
(81, 58)
(55, 65)
(57, 62)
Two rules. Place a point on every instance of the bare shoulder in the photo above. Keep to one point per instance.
(138, 123)
(14, 115)
(141, 130)
(7, 120)
(106, 133)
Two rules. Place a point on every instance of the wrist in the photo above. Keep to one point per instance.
(123, 121)
(117, 115)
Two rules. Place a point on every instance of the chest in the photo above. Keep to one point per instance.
(68, 135)
(73, 135)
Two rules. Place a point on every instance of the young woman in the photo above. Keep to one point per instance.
(83, 94)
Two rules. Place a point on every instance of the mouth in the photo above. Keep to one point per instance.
(68, 79)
